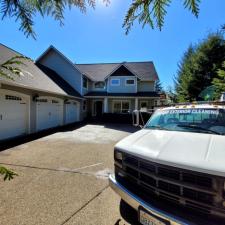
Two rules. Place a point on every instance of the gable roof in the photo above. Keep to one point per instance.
(33, 77)
(52, 48)
(100, 71)
(59, 80)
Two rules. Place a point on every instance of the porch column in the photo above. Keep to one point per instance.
(105, 105)
(136, 103)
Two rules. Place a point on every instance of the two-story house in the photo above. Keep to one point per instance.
(53, 91)
(118, 87)
(106, 87)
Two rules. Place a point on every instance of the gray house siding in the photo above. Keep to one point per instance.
(146, 86)
(65, 69)
(122, 87)
(86, 90)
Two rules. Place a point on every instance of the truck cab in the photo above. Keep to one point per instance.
(173, 170)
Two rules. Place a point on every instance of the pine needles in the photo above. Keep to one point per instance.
(8, 174)
(153, 12)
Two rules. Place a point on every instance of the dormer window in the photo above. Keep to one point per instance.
(130, 82)
(115, 82)
(85, 82)
(99, 85)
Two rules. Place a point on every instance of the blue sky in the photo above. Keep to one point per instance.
(98, 36)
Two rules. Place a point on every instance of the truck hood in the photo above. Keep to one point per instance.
(193, 151)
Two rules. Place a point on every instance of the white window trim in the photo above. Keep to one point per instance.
(114, 84)
(126, 84)
(121, 101)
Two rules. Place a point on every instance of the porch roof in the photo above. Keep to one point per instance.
(151, 94)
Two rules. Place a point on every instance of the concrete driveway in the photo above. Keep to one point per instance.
(63, 179)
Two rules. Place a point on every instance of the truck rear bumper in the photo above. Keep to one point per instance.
(135, 202)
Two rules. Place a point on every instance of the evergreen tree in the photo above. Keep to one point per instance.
(199, 67)
(184, 75)
(158, 86)
(219, 82)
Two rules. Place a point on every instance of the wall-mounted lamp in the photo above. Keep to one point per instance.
(35, 97)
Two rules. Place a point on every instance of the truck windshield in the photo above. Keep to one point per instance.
(198, 120)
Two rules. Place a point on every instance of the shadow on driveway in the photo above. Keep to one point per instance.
(31, 137)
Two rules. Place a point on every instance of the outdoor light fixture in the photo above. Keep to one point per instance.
(35, 97)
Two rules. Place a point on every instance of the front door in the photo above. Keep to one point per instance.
(98, 105)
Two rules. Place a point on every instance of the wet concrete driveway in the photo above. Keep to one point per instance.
(63, 178)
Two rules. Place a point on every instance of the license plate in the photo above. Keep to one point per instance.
(147, 218)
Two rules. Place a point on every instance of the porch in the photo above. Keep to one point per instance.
(118, 109)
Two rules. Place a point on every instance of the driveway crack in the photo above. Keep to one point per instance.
(86, 204)
(76, 171)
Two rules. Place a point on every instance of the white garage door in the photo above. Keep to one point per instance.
(72, 112)
(14, 118)
(49, 113)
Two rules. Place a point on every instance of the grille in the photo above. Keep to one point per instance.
(187, 188)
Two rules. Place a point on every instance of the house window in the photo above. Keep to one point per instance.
(115, 82)
(55, 102)
(99, 85)
(10, 97)
(85, 82)
(144, 104)
(130, 82)
(121, 107)
(84, 105)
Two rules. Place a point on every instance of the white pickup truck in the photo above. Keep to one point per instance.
(173, 170)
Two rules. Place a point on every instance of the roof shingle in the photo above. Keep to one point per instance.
(100, 71)
(33, 77)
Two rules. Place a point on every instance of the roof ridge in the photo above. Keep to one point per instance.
(113, 62)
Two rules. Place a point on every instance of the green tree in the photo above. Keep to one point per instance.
(158, 86)
(151, 12)
(184, 75)
(219, 82)
(199, 67)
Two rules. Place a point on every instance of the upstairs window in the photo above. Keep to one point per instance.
(85, 82)
(130, 82)
(115, 82)
(99, 85)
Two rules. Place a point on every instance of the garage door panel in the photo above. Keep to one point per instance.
(72, 112)
(49, 114)
(13, 115)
